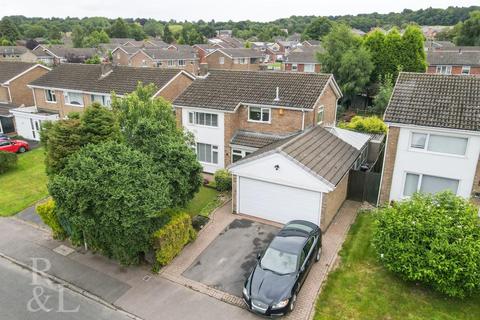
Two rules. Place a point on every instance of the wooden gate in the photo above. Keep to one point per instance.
(364, 186)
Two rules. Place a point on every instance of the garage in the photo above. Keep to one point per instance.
(277, 202)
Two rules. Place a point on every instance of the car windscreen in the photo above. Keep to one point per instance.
(279, 261)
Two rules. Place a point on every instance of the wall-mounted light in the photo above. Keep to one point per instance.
(277, 167)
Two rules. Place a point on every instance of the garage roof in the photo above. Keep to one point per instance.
(317, 150)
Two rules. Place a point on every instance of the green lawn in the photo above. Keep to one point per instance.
(24, 185)
(204, 202)
(362, 289)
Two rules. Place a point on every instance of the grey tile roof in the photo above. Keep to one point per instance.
(435, 100)
(169, 54)
(241, 52)
(304, 55)
(317, 150)
(5, 109)
(255, 139)
(470, 58)
(313, 42)
(13, 50)
(10, 69)
(225, 89)
(64, 51)
(128, 50)
(84, 77)
(120, 40)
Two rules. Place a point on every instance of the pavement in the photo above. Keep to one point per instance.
(170, 294)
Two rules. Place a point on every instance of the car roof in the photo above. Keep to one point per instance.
(301, 226)
(288, 243)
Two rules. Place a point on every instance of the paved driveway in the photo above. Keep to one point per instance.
(228, 260)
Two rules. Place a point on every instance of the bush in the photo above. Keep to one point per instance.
(223, 180)
(46, 211)
(8, 160)
(172, 237)
(365, 124)
(433, 239)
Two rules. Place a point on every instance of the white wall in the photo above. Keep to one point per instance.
(23, 124)
(422, 162)
(209, 135)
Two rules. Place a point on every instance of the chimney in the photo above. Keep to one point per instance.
(277, 98)
(203, 70)
(105, 68)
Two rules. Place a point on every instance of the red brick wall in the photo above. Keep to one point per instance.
(456, 70)
(20, 93)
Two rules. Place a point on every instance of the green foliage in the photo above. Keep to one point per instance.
(119, 29)
(223, 180)
(384, 94)
(8, 30)
(153, 28)
(98, 124)
(469, 31)
(112, 197)
(95, 38)
(78, 34)
(190, 35)
(93, 60)
(35, 31)
(136, 32)
(46, 211)
(170, 239)
(433, 239)
(8, 160)
(167, 34)
(149, 125)
(317, 29)
(371, 124)
(413, 50)
(54, 33)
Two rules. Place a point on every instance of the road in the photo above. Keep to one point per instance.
(24, 296)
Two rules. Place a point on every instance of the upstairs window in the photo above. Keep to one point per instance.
(444, 69)
(294, 67)
(466, 70)
(203, 119)
(50, 96)
(103, 100)
(309, 68)
(181, 62)
(221, 60)
(257, 114)
(439, 143)
(320, 115)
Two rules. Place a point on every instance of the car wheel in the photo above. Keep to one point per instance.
(22, 149)
(293, 301)
(319, 254)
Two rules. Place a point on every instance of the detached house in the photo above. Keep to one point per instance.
(454, 61)
(72, 87)
(57, 54)
(14, 77)
(121, 55)
(433, 142)
(234, 59)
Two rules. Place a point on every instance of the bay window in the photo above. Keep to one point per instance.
(258, 114)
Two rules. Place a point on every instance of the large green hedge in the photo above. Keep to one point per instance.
(46, 211)
(371, 124)
(172, 237)
(432, 239)
(223, 180)
(8, 160)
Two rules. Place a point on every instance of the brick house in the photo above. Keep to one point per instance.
(454, 60)
(72, 87)
(203, 50)
(57, 54)
(14, 77)
(16, 53)
(166, 59)
(234, 59)
(303, 59)
(246, 121)
(121, 55)
(433, 142)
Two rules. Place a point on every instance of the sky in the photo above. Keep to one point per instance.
(180, 10)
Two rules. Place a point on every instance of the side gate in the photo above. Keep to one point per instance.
(363, 186)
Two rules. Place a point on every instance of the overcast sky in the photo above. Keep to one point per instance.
(257, 10)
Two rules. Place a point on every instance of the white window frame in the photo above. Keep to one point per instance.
(294, 67)
(419, 182)
(170, 63)
(66, 95)
(239, 152)
(213, 151)
(427, 141)
(52, 94)
(194, 116)
(444, 69)
(466, 70)
(310, 65)
(262, 109)
(182, 62)
(321, 110)
(221, 60)
(106, 99)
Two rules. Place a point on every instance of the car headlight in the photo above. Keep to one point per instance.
(245, 293)
(281, 304)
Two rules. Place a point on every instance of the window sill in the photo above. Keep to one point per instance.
(202, 126)
(415, 150)
(74, 105)
(52, 102)
(258, 121)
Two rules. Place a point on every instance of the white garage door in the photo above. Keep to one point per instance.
(277, 202)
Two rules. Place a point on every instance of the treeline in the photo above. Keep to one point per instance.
(91, 31)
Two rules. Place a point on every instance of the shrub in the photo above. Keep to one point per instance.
(172, 237)
(223, 180)
(371, 124)
(46, 211)
(8, 160)
(433, 239)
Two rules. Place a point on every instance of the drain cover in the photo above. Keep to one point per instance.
(146, 278)
(63, 250)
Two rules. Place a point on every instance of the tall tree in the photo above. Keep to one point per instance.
(78, 34)
(8, 30)
(393, 53)
(317, 29)
(119, 29)
(413, 57)
(167, 34)
(354, 72)
(469, 33)
(136, 32)
(153, 28)
(54, 33)
(374, 42)
(35, 31)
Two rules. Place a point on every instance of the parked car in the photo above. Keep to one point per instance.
(15, 146)
(272, 287)
(3, 136)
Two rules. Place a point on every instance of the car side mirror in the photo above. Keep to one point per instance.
(302, 269)
(259, 256)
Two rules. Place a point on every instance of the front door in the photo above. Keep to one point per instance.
(36, 126)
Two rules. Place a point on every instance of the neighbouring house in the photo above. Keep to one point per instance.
(234, 59)
(14, 93)
(224, 33)
(433, 141)
(454, 60)
(227, 42)
(437, 44)
(203, 50)
(16, 53)
(286, 46)
(72, 87)
(121, 55)
(58, 54)
(166, 58)
(303, 59)
(311, 43)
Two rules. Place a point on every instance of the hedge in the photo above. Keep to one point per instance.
(371, 124)
(169, 240)
(46, 211)
(223, 180)
(432, 239)
(8, 160)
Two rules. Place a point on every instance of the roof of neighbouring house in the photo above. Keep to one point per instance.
(313, 42)
(64, 51)
(454, 58)
(226, 89)
(127, 49)
(13, 50)
(255, 139)
(317, 150)
(165, 54)
(10, 69)
(5, 109)
(436, 100)
(304, 55)
(88, 78)
(240, 52)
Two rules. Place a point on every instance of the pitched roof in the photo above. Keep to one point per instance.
(226, 89)
(304, 55)
(255, 139)
(312, 42)
(469, 58)
(165, 54)
(10, 69)
(87, 78)
(317, 150)
(5, 109)
(435, 100)
(64, 51)
(13, 50)
(127, 49)
(241, 52)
